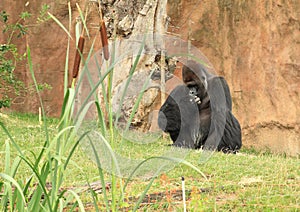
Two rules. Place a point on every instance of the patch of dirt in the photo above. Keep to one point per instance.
(245, 181)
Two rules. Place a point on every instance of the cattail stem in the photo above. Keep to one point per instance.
(163, 76)
(183, 194)
(78, 57)
(104, 40)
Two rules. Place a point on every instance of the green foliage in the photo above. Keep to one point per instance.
(10, 56)
(8, 59)
(49, 164)
(43, 16)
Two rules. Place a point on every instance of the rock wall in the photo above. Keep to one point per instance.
(255, 45)
(48, 44)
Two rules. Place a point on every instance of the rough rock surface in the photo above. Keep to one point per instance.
(255, 45)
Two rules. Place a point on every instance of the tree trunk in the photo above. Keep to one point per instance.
(128, 23)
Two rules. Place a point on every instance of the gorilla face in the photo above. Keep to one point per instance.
(195, 79)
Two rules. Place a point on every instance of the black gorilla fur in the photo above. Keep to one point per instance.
(199, 113)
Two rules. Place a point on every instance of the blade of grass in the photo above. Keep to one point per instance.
(67, 108)
(7, 158)
(27, 185)
(81, 116)
(74, 148)
(104, 94)
(133, 68)
(139, 201)
(78, 200)
(83, 19)
(94, 195)
(111, 152)
(7, 200)
(20, 206)
(15, 166)
(101, 119)
(138, 100)
(60, 196)
(101, 175)
(60, 24)
(11, 139)
(92, 92)
(58, 172)
(88, 74)
(63, 109)
(41, 179)
(15, 183)
(56, 138)
(29, 60)
(66, 75)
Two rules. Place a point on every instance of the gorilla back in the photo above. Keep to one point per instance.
(198, 114)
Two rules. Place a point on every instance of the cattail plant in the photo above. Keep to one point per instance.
(103, 33)
(79, 51)
(104, 40)
(78, 56)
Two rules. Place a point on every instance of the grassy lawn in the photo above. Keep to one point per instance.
(248, 181)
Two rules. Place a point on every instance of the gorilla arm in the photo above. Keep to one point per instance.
(226, 92)
(218, 104)
(232, 137)
(225, 131)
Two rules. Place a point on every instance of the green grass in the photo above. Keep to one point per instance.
(244, 182)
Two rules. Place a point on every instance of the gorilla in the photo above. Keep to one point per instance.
(198, 114)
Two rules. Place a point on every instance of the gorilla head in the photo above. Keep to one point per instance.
(199, 113)
(195, 79)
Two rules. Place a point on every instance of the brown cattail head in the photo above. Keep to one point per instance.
(104, 40)
(78, 56)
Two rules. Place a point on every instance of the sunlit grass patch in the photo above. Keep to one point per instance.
(234, 182)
